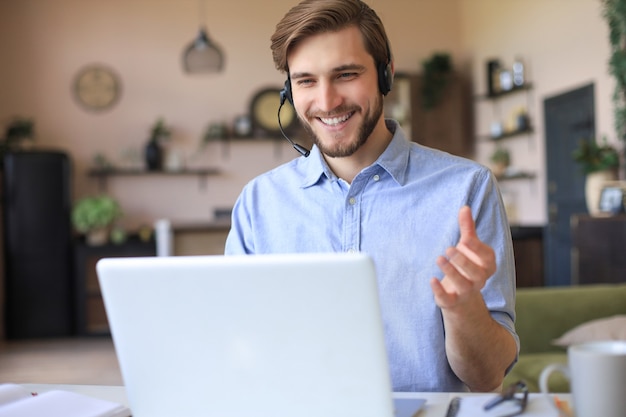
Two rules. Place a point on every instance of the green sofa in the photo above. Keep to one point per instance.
(547, 313)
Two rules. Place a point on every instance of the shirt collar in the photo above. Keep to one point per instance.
(315, 168)
(394, 159)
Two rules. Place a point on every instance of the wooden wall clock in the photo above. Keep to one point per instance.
(97, 87)
(264, 112)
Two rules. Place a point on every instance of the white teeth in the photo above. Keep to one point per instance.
(335, 120)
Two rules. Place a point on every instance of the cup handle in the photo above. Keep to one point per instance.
(543, 381)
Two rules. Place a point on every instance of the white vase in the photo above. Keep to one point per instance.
(594, 183)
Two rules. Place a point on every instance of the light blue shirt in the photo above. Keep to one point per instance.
(402, 211)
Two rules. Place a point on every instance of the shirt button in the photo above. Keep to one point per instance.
(352, 201)
(376, 177)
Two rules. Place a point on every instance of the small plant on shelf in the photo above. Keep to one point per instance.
(18, 132)
(501, 160)
(94, 216)
(20, 129)
(436, 72)
(159, 134)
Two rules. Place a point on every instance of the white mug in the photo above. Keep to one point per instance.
(597, 375)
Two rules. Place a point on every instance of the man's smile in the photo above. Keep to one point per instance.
(334, 121)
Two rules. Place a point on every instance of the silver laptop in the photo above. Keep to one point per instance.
(240, 336)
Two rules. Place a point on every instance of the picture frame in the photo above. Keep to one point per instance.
(612, 199)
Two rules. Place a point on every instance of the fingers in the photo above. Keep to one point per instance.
(480, 254)
(471, 246)
(466, 267)
(460, 280)
(466, 224)
(462, 266)
(460, 274)
(443, 298)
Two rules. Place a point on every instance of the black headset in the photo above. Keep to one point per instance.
(385, 80)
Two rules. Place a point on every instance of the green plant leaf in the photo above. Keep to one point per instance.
(91, 213)
(594, 157)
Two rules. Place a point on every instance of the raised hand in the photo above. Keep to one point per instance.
(466, 267)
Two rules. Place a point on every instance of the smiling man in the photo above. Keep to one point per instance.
(433, 223)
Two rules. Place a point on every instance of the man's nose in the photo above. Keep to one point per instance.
(328, 97)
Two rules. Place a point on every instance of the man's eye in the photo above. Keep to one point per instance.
(347, 75)
(305, 82)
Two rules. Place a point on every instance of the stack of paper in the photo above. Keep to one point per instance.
(16, 401)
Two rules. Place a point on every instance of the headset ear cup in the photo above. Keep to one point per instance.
(286, 93)
(385, 78)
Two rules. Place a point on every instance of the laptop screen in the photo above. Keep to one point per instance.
(269, 335)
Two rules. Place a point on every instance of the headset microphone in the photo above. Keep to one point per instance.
(301, 149)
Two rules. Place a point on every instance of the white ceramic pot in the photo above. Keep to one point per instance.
(98, 237)
(594, 183)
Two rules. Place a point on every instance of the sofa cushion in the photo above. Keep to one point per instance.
(611, 328)
(546, 313)
(529, 367)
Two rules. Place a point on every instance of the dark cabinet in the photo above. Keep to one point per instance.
(90, 313)
(598, 249)
(446, 126)
(528, 250)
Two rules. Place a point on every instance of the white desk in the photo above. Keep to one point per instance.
(436, 402)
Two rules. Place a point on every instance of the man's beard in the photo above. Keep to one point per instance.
(364, 131)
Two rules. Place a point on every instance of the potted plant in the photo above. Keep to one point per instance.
(501, 160)
(94, 216)
(595, 157)
(18, 131)
(159, 133)
(599, 162)
(436, 71)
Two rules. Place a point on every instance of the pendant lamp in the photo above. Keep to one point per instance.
(202, 55)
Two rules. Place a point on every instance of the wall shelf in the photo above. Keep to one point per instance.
(524, 129)
(103, 174)
(507, 135)
(514, 90)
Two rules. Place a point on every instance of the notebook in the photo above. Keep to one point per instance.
(239, 336)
